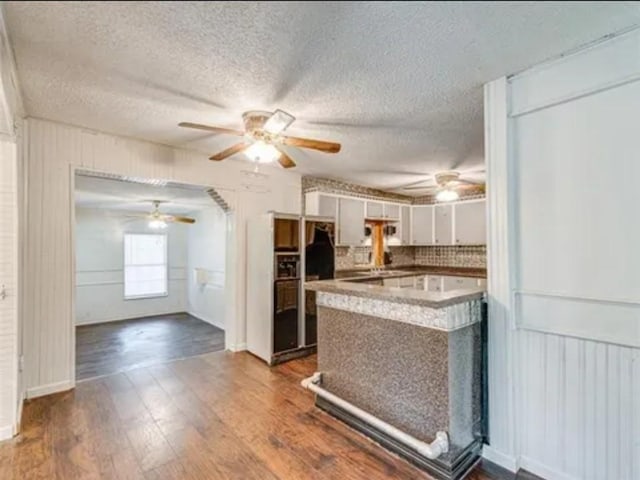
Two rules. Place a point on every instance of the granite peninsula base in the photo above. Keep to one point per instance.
(419, 379)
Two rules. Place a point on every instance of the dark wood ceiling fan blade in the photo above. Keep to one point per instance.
(209, 128)
(175, 218)
(238, 147)
(285, 160)
(326, 147)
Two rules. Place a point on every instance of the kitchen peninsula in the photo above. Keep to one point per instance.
(404, 365)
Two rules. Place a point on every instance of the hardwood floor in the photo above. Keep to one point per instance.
(107, 348)
(216, 416)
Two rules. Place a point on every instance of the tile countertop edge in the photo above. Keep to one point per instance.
(401, 296)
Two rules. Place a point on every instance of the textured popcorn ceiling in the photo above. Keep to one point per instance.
(107, 194)
(399, 85)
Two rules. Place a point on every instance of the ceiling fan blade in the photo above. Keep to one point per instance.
(278, 122)
(176, 218)
(417, 187)
(470, 186)
(209, 128)
(285, 160)
(238, 147)
(326, 147)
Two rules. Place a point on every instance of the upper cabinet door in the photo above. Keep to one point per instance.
(422, 225)
(327, 206)
(470, 223)
(444, 224)
(392, 211)
(405, 225)
(375, 209)
(350, 221)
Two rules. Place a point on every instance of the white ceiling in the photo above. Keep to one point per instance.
(398, 84)
(107, 194)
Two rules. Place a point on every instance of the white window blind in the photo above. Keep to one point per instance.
(145, 265)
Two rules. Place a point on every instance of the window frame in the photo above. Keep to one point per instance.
(124, 267)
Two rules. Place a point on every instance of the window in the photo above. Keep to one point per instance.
(145, 265)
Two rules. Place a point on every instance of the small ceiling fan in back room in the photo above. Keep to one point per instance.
(159, 220)
(448, 185)
(263, 139)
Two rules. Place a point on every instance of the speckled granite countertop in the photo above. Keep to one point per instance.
(405, 296)
(357, 274)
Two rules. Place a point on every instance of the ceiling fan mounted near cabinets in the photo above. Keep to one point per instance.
(263, 138)
(159, 220)
(448, 185)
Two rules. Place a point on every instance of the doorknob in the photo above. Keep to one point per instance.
(3, 293)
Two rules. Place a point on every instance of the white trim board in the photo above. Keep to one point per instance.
(499, 458)
(6, 432)
(50, 388)
(207, 319)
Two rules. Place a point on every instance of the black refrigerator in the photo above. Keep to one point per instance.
(319, 264)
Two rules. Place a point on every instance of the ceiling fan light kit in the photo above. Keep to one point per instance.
(448, 185)
(447, 195)
(157, 224)
(263, 138)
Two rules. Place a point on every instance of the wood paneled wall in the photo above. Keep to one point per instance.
(9, 284)
(564, 383)
(52, 152)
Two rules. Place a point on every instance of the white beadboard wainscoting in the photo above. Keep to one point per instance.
(564, 304)
(9, 351)
(52, 152)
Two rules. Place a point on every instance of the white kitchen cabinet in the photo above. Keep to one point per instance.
(470, 223)
(327, 206)
(350, 221)
(375, 209)
(434, 283)
(404, 225)
(391, 211)
(443, 224)
(458, 283)
(422, 225)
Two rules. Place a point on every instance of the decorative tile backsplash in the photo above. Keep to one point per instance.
(327, 185)
(474, 256)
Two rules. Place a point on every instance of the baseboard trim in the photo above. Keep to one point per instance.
(135, 317)
(208, 320)
(43, 390)
(537, 468)
(238, 347)
(499, 458)
(6, 432)
(16, 427)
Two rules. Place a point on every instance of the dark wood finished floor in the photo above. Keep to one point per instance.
(107, 348)
(217, 416)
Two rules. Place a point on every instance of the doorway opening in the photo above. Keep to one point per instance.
(150, 261)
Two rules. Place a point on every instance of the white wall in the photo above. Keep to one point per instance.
(207, 252)
(8, 282)
(52, 151)
(562, 149)
(11, 225)
(100, 268)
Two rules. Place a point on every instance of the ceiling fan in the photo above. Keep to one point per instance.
(448, 185)
(263, 138)
(159, 220)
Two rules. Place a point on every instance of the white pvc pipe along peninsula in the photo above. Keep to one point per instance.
(430, 450)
